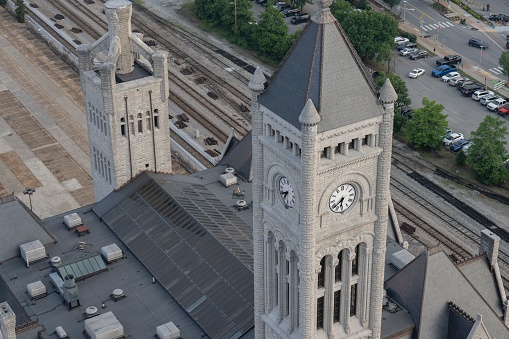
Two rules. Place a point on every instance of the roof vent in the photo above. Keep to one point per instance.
(229, 170)
(69, 281)
(91, 311)
(241, 205)
(117, 294)
(56, 261)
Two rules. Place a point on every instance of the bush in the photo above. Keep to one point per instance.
(409, 36)
(460, 158)
(457, 2)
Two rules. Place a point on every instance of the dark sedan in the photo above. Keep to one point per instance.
(418, 55)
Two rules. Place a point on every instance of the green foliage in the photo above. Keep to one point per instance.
(399, 86)
(488, 152)
(270, 36)
(399, 122)
(410, 36)
(461, 158)
(2, 2)
(503, 61)
(20, 11)
(371, 33)
(340, 9)
(300, 3)
(457, 2)
(426, 129)
(392, 3)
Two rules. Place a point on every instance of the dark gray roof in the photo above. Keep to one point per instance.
(459, 326)
(21, 227)
(239, 157)
(193, 244)
(324, 67)
(426, 285)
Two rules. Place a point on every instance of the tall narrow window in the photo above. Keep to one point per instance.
(140, 123)
(131, 121)
(156, 118)
(95, 159)
(319, 313)
(321, 274)
(355, 261)
(123, 127)
(337, 303)
(337, 269)
(105, 130)
(276, 262)
(101, 122)
(149, 122)
(353, 300)
(109, 172)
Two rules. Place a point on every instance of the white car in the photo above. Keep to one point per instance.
(465, 148)
(452, 137)
(454, 81)
(495, 104)
(407, 51)
(416, 72)
(449, 76)
(487, 99)
(400, 40)
(478, 95)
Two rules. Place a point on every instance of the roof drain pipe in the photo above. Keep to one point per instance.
(128, 139)
(153, 129)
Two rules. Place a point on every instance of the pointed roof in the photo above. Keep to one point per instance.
(387, 92)
(427, 284)
(324, 67)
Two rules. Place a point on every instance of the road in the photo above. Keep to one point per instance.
(445, 32)
(464, 114)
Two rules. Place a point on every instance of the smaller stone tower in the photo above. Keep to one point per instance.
(7, 322)
(126, 92)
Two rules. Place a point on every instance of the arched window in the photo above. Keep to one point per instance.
(156, 118)
(123, 127)
(131, 122)
(355, 261)
(337, 269)
(140, 123)
(321, 274)
(149, 122)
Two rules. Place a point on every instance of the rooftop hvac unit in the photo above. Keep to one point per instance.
(61, 333)
(228, 179)
(401, 258)
(117, 294)
(168, 331)
(111, 252)
(104, 326)
(72, 220)
(70, 291)
(36, 290)
(32, 251)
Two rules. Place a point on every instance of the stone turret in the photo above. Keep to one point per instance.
(7, 322)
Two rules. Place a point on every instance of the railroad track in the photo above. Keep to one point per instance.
(84, 25)
(436, 210)
(191, 150)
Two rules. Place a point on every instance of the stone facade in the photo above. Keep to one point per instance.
(7, 322)
(127, 105)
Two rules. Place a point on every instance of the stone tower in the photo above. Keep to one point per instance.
(7, 322)
(322, 141)
(126, 102)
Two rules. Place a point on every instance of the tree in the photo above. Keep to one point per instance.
(399, 86)
(371, 33)
(340, 9)
(503, 61)
(488, 153)
(20, 11)
(270, 35)
(426, 129)
(300, 3)
(392, 3)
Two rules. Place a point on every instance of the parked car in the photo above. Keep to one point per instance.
(478, 95)
(504, 110)
(284, 7)
(291, 12)
(466, 147)
(419, 54)
(495, 104)
(447, 131)
(302, 17)
(477, 43)
(452, 137)
(416, 72)
(278, 4)
(408, 44)
(407, 112)
(449, 76)
(400, 40)
(458, 145)
(407, 51)
(471, 89)
(462, 84)
(443, 70)
(487, 99)
(454, 82)
(449, 60)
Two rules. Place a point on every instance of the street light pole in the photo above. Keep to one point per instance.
(29, 191)
(404, 10)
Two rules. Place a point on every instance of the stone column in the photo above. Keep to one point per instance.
(118, 14)
(362, 285)
(309, 119)
(270, 273)
(346, 279)
(328, 300)
(282, 283)
(257, 85)
(294, 292)
(387, 97)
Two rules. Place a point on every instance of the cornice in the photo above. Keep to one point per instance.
(331, 134)
(353, 162)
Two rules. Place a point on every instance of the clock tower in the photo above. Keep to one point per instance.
(322, 139)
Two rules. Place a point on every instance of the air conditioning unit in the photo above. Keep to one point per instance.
(72, 220)
(168, 331)
(401, 258)
(32, 251)
(104, 326)
(228, 179)
(61, 333)
(111, 252)
(36, 290)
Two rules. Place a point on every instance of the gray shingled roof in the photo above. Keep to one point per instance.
(427, 284)
(324, 67)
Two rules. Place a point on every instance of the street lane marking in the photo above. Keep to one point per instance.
(496, 70)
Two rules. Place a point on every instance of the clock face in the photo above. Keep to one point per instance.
(342, 198)
(286, 192)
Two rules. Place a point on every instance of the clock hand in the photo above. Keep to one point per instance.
(341, 202)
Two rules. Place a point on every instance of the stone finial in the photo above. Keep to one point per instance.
(258, 81)
(387, 93)
(309, 115)
(323, 14)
